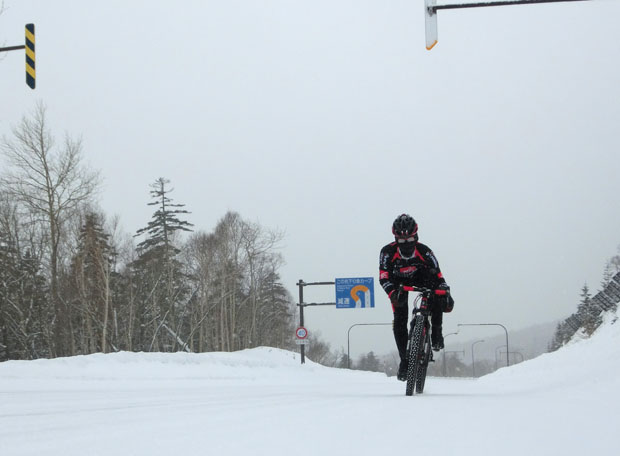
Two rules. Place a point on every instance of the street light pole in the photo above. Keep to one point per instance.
(492, 324)
(349, 342)
(473, 362)
(444, 369)
(500, 351)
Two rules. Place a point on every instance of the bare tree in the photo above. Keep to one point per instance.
(261, 261)
(52, 183)
(238, 301)
(200, 261)
(319, 351)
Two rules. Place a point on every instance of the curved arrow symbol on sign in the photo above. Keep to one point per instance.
(358, 302)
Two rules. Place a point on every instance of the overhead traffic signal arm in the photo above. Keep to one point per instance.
(12, 48)
(431, 8)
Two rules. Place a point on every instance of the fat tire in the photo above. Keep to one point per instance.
(421, 376)
(415, 346)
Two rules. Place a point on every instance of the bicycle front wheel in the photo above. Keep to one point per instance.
(423, 363)
(416, 347)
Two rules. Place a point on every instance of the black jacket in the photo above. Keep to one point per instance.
(421, 270)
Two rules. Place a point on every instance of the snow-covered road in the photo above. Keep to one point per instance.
(263, 402)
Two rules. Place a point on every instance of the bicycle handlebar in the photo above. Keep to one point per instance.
(424, 290)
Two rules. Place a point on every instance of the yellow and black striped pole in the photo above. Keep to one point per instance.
(30, 71)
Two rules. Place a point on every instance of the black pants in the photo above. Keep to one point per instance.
(401, 316)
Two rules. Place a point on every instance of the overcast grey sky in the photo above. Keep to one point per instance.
(327, 119)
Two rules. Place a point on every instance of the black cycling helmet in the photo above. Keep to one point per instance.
(404, 226)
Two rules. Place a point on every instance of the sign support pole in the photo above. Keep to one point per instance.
(301, 317)
(301, 284)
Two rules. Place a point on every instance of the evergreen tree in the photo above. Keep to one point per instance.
(342, 360)
(582, 308)
(164, 223)
(274, 314)
(607, 275)
(160, 285)
(369, 362)
(90, 290)
(25, 312)
(372, 362)
(558, 337)
(8, 289)
(37, 311)
(587, 313)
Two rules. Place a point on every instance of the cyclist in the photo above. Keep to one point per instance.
(409, 262)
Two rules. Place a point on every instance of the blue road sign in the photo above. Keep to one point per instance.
(355, 293)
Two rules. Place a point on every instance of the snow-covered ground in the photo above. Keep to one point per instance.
(263, 402)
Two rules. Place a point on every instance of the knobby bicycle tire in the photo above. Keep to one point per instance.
(415, 346)
(421, 375)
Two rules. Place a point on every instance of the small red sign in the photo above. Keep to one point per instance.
(301, 332)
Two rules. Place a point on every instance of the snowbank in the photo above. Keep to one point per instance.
(582, 363)
(253, 364)
(264, 402)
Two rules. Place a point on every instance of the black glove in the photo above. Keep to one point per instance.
(395, 298)
(444, 299)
